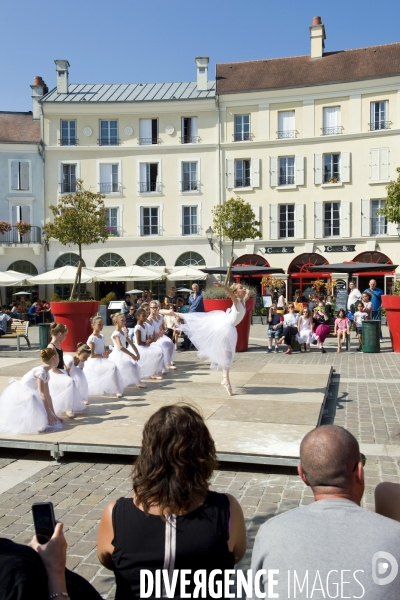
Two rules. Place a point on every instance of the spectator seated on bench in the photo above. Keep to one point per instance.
(14, 329)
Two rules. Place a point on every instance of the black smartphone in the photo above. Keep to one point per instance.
(43, 520)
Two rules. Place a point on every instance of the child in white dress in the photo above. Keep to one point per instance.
(63, 391)
(151, 357)
(305, 330)
(162, 341)
(103, 376)
(126, 360)
(74, 366)
(26, 405)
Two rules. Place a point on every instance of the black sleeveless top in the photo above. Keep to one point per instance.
(60, 357)
(199, 540)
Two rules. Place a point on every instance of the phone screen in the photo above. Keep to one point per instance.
(43, 520)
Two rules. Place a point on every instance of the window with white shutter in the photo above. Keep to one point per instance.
(299, 221)
(230, 173)
(345, 167)
(299, 170)
(331, 219)
(384, 164)
(365, 217)
(318, 169)
(19, 175)
(257, 213)
(379, 167)
(255, 172)
(379, 224)
(318, 220)
(345, 218)
(242, 173)
(286, 221)
(273, 221)
(273, 171)
(286, 170)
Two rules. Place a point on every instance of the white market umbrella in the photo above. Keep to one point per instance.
(22, 294)
(130, 273)
(187, 274)
(62, 275)
(184, 290)
(7, 279)
(134, 292)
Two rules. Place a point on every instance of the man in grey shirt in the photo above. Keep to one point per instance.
(331, 548)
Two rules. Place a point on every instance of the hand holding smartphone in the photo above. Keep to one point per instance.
(43, 520)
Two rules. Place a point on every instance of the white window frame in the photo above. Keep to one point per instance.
(287, 185)
(286, 237)
(340, 219)
(159, 175)
(247, 187)
(77, 163)
(76, 131)
(10, 190)
(181, 206)
(240, 116)
(375, 235)
(160, 207)
(120, 208)
(180, 175)
(372, 114)
(14, 201)
(109, 161)
(108, 120)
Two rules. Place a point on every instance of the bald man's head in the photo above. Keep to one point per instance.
(329, 455)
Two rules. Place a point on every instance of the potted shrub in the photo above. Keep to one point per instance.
(79, 219)
(391, 210)
(235, 220)
(5, 227)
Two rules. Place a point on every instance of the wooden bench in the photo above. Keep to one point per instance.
(17, 330)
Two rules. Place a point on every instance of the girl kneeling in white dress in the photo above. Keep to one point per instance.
(63, 391)
(305, 330)
(214, 333)
(74, 365)
(162, 341)
(26, 405)
(126, 360)
(151, 357)
(103, 376)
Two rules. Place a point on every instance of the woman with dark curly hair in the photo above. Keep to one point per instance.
(173, 521)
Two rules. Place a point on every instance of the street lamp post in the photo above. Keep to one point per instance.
(209, 234)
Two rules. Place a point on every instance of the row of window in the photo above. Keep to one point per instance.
(150, 220)
(329, 168)
(148, 259)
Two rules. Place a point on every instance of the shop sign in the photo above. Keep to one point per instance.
(279, 250)
(343, 248)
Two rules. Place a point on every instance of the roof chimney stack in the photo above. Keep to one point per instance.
(317, 35)
(62, 76)
(202, 71)
(39, 89)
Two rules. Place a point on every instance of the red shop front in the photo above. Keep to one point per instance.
(301, 279)
(384, 279)
(251, 260)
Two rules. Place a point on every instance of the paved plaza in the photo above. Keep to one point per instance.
(363, 396)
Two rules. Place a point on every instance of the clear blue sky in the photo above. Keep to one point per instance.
(123, 41)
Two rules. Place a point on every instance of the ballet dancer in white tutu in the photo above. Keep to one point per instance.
(151, 356)
(214, 333)
(63, 391)
(162, 341)
(26, 405)
(74, 365)
(151, 335)
(103, 376)
(125, 359)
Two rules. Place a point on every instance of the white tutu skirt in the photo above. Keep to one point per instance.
(213, 335)
(79, 378)
(127, 367)
(305, 336)
(22, 411)
(103, 377)
(64, 393)
(151, 360)
(168, 349)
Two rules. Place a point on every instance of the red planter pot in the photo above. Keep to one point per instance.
(392, 305)
(76, 316)
(243, 328)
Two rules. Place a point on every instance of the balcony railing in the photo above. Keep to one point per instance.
(146, 187)
(332, 130)
(114, 231)
(331, 178)
(283, 135)
(189, 139)
(109, 141)
(191, 229)
(242, 182)
(149, 141)
(68, 188)
(34, 236)
(190, 186)
(110, 188)
(145, 230)
(286, 180)
(379, 125)
(68, 141)
(242, 136)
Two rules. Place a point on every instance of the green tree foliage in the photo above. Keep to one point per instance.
(391, 208)
(235, 220)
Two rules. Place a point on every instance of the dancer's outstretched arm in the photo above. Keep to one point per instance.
(230, 292)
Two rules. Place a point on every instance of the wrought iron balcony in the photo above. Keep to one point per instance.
(331, 177)
(332, 130)
(242, 182)
(114, 231)
(190, 186)
(189, 139)
(149, 141)
(68, 187)
(146, 187)
(286, 180)
(379, 125)
(191, 229)
(145, 230)
(68, 141)
(283, 135)
(242, 136)
(109, 141)
(110, 188)
(34, 236)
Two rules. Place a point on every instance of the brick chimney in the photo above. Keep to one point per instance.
(317, 35)
(202, 71)
(39, 89)
(62, 76)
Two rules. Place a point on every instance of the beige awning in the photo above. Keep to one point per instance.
(186, 274)
(8, 279)
(130, 273)
(63, 275)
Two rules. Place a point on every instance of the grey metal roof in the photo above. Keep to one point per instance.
(130, 92)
